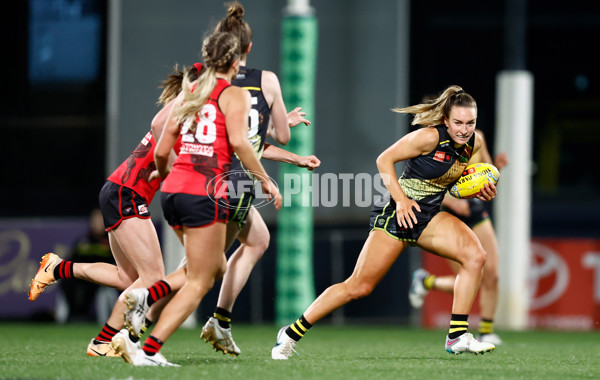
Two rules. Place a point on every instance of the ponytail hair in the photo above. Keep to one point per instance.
(173, 83)
(219, 52)
(436, 110)
(233, 23)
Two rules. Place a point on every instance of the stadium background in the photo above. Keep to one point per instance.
(54, 118)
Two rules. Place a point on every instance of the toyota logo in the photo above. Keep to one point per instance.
(546, 266)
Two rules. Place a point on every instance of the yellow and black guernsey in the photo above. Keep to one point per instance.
(241, 194)
(425, 179)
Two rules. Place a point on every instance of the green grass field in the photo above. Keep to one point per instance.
(47, 351)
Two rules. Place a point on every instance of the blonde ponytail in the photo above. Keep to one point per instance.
(219, 51)
(435, 111)
(195, 98)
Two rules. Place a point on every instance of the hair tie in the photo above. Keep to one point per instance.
(459, 92)
(198, 66)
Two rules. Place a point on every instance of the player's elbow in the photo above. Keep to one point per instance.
(283, 140)
(160, 157)
(381, 160)
(241, 146)
(156, 128)
(236, 143)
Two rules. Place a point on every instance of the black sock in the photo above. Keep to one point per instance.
(223, 316)
(297, 329)
(146, 326)
(458, 325)
(134, 338)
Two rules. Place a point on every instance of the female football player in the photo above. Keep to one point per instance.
(475, 214)
(211, 116)
(435, 156)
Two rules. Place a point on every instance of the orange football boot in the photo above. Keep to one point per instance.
(44, 275)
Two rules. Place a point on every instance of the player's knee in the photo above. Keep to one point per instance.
(257, 245)
(261, 243)
(198, 288)
(260, 249)
(221, 270)
(479, 258)
(476, 257)
(357, 290)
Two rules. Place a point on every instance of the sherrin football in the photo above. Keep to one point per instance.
(473, 179)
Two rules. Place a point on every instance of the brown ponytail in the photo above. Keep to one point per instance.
(436, 110)
(234, 23)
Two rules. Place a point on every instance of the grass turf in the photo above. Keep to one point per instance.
(48, 351)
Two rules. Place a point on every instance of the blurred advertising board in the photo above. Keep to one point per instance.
(22, 244)
(564, 287)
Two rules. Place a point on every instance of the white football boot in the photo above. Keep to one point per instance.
(284, 348)
(157, 360)
(220, 338)
(124, 347)
(137, 307)
(490, 338)
(417, 291)
(466, 343)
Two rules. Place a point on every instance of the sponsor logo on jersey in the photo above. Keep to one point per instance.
(147, 138)
(441, 156)
(201, 149)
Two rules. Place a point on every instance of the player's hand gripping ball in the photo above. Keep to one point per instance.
(473, 179)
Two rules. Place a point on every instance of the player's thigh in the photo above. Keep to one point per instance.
(233, 232)
(255, 232)
(376, 257)
(126, 270)
(204, 249)
(139, 241)
(448, 237)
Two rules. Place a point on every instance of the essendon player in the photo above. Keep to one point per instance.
(124, 201)
(212, 123)
(267, 117)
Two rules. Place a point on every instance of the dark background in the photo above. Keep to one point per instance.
(54, 126)
(54, 129)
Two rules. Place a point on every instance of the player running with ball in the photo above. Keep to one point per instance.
(435, 156)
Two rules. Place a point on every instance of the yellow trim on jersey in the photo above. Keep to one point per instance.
(444, 142)
(252, 88)
(486, 219)
(387, 220)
